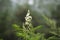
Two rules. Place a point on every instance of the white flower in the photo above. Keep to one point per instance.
(28, 18)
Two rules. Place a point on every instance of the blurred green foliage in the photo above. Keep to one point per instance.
(1, 39)
(28, 35)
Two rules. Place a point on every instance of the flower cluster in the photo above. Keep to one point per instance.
(28, 18)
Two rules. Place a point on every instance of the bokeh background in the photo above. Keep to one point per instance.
(43, 12)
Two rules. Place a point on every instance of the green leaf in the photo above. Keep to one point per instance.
(53, 38)
(16, 27)
(20, 34)
(38, 27)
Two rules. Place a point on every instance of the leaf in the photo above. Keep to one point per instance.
(16, 27)
(35, 37)
(20, 34)
(38, 27)
(53, 38)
